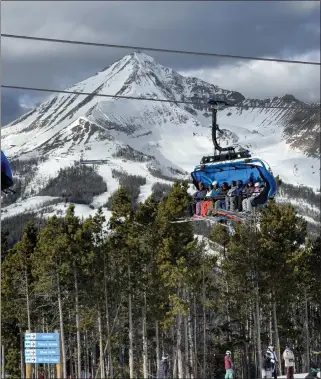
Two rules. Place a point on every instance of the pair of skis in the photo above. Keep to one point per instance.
(221, 215)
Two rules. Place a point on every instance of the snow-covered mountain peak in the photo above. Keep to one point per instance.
(142, 58)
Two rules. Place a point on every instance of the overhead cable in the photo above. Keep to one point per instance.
(142, 48)
(204, 100)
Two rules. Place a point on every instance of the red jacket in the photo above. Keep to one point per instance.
(227, 362)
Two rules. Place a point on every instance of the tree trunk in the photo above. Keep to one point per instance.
(130, 332)
(111, 368)
(271, 322)
(228, 312)
(186, 349)
(101, 349)
(71, 361)
(277, 339)
(27, 300)
(77, 324)
(86, 355)
(258, 334)
(307, 334)
(247, 339)
(157, 348)
(174, 353)
(204, 330)
(22, 361)
(145, 346)
(62, 333)
(179, 346)
(246, 366)
(93, 360)
(195, 337)
(191, 345)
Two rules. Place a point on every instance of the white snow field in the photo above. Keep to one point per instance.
(297, 376)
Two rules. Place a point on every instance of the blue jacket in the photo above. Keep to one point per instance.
(216, 192)
(238, 190)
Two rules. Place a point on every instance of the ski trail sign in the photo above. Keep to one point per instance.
(42, 348)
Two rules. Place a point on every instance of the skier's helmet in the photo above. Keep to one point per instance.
(228, 352)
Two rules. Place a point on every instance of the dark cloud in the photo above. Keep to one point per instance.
(11, 108)
(279, 29)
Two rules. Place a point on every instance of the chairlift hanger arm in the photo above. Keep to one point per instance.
(215, 104)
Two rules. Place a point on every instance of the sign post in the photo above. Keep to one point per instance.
(28, 365)
(58, 366)
(2, 370)
(41, 348)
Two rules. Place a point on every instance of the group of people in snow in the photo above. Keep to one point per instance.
(269, 366)
(234, 197)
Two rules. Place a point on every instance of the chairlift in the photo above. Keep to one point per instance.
(227, 165)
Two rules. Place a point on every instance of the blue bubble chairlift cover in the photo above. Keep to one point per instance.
(6, 174)
(249, 169)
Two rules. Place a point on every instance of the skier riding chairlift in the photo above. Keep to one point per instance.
(234, 166)
(6, 173)
(229, 166)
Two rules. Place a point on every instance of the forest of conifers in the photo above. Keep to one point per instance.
(122, 295)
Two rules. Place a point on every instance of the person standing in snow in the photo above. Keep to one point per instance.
(164, 367)
(267, 367)
(289, 363)
(274, 359)
(228, 364)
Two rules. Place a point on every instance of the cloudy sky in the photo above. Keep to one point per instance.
(282, 29)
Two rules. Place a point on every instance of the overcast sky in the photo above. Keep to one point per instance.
(282, 29)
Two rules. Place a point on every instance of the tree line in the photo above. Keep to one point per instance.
(124, 293)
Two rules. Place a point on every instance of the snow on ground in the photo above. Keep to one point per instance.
(81, 211)
(293, 166)
(38, 205)
(296, 202)
(297, 376)
(31, 204)
(47, 170)
(210, 248)
(311, 220)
